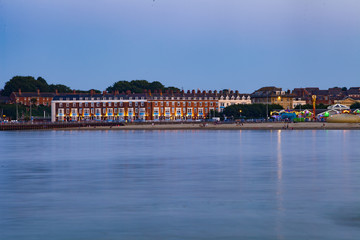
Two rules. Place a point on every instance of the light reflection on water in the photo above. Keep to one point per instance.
(180, 185)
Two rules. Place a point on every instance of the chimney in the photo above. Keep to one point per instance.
(210, 91)
(38, 92)
(237, 92)
(188, 91)
(149, 92)
(19, 91)
(182, 91)
(74, 92)
(56, 92)
(193, 91)
(104, 92)
(204, 92)
(91, 92)
(215, 92)
(198, 91)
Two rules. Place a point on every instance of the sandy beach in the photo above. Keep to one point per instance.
(232, 126)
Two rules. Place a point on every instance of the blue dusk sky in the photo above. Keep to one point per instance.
(190, 44)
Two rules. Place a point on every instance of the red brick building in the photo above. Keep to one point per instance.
(37, 98)
(134, 106)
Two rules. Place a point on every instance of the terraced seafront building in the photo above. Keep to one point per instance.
(190, 105)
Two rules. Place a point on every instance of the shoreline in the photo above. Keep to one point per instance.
(232, 126)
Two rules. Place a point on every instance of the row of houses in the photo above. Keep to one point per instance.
(172, 105)
(143, 106)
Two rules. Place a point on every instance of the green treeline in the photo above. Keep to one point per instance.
(30, 84)
(138, 86)
(9, 110)
(249, 110)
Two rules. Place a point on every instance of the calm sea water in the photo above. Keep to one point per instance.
(180, 185)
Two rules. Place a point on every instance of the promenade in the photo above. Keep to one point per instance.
(181, 126)
(230, 126)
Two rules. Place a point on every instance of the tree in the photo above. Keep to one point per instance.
(60, 87)
(355, 105)
(26, 84)
(33, 101)
(310, 106)
(138, 86)
(250, 110)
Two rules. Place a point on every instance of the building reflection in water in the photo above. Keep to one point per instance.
(279, 190)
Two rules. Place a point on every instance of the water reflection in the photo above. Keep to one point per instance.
(179, 185)
(279, 193)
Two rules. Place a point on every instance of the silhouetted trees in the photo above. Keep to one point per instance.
(138, 86)
(250, 110)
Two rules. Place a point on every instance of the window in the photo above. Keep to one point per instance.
(104, 110)
(92, 111)
(67, 104)
(136, 104)
(178, 103)
(156, 104)
(67, 111)
(60, 104)
(109, 104)
(104, 104)
(80, 104)
(74, 104)
(115, 104)
(130, 104)
(211, 104)
(189, 104)
(86, 104)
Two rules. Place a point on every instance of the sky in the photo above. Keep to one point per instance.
(191, 44)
